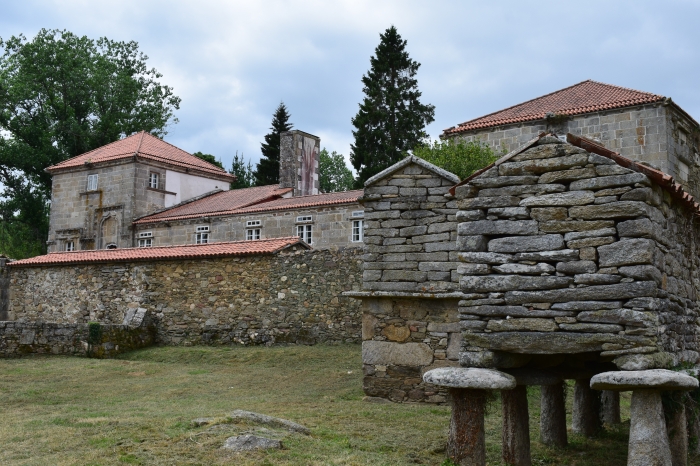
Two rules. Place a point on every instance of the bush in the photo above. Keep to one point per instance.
(457, 156)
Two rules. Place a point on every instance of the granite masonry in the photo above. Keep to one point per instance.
(294, 296)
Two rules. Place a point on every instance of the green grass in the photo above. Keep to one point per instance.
(138, 410)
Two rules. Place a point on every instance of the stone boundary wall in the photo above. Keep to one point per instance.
(4, 288)
(566, 252)
(23, 338)
(291, 297)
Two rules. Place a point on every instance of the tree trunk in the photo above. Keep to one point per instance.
(466, 444)
(516, 427)
(610, 407)
(553, 415)
(586, 408)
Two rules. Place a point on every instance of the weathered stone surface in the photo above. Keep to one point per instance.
(600, 160)
(470, 215)
(575, 225)
(618, 316)
(399, 354)
(491, 283)
(639, 194)
(627, 252)
(525, 324)
(596, 279)
(542, 165)
(611, 292)
(611, 170)
(250, 443)
(591, 328)
(549, 342)
(657, 379)
(396, 333)
(547, 148)
(499, 181)
(571, 198)
(648, 439)
(472, 243)
(474, 269)
(643, 362)
(588, 306)
(511, 311)
(575, 267)
(469, 377)
(610, 181)
(498, 227)
(511, 212)
(519, 244)
(590, 233)
(485, 257)
(537, 269)
(545, 214)
(646, 303)
(523, 189)
(490, 359)
(264, 419)
(589, 242)
(621, 209)
(567, 175)
(553, 415)
(548, 256)
(642, 272)
(487, 202)
(642, 227)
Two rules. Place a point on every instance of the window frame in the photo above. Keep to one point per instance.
(305, 232)
(252, 234)
(69, 246)
(145, 243)
(358, 225)
(90, 183)
(154, 176)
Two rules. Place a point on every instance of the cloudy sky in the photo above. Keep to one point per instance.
(232, 62)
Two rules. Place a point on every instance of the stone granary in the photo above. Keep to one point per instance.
(143, 192)
(565, 260)
(641, 126)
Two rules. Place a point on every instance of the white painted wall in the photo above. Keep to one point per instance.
(187, 186)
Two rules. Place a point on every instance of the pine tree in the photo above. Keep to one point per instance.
(245, 177)
(267, 170)
(391, 120)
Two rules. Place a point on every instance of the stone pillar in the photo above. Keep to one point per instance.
(648, 443)
(553, 415)
(516, 427)
(469, 388)
(693, 431)
(678, 434)
(609, 407)
(586, 407)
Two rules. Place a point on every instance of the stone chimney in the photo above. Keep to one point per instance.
(299, 156)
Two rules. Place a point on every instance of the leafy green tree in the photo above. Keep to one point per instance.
(391, 120)
(245, 178)
(335, 176)
(62, 95)
(267, 170)
(17, 241)
(456, 156)
(209, 158)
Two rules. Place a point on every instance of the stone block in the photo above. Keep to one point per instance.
(562, 255)
(472, 243)
(470, 215)
(602, 182)
(571, 198)
(642, 272)
(576, 267)
(485, 257)
(519, 213)
(627, 252)
(524, 269)
(473, 269)
(519, 190)
(621, 209)
(611, 170)
(510, 311)
(590, 233)
(414, 230)
(522, 325)
(438, 237)
(500, 181)
(544, 214)
(638, 194)
(514, 244)
(550, 342)
(587, 305)
(487, 202)
(397, 354)
(596, 279)
(498, 283)
(574, 225)
(590, 293)
(589, 242)
(567, 175)
(642, 227)
(592, 328)
(498, 227)
(404, 276)
(539, 166)
(619, 316)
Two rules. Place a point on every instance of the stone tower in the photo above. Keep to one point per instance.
(299, 157)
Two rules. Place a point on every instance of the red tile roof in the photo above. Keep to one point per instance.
(189, 251)
(221, 203)
(146, 146)
(585, 97)
(231, 203)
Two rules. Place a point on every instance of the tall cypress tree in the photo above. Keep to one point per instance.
(391, 120)
(267, 170)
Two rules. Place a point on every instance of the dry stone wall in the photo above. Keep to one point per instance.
(564, 252)
(292, 297)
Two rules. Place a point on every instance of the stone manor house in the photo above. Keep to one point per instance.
(143, 192)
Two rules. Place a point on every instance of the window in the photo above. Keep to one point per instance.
(146, 234)
(202, 236)
(253, 233)
(70, 246)
(253, 223)
(92, 183)
(145, 242)
(357, 232)
(153, 180)
(304, 232)
(358, 213)
(304, 219)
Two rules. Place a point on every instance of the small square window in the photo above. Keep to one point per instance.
(92, 183)
(357, 231)
(304, 218)
(253, 223)
(70, 246)
(153, 180)
(202, 238)
(202, 228)
(304, 232)
(252, 234)
(146, 234)
(146, 242)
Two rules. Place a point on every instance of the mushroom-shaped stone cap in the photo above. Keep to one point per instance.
(654, 379)
(470, 377)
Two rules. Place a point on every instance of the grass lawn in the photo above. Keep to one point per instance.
(138, 410)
